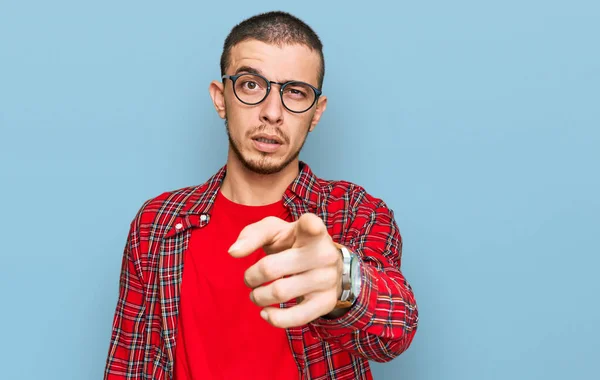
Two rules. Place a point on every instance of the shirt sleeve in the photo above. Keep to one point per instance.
(383, 320)
(125, 354)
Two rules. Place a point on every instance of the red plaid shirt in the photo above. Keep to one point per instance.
(379, 326)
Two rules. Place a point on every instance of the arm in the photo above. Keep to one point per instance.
(125, 354)
(383, 321)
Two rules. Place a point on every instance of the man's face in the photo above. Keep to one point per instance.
(246, 124)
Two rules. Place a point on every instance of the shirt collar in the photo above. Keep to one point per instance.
(304, 192)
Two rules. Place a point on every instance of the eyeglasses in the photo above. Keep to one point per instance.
(251, 89)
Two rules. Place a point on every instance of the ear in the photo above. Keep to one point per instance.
(216, 90)
(321, 106)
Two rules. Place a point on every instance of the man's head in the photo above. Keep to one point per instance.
(280, 48)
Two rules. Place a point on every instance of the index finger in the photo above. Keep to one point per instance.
(256, 235)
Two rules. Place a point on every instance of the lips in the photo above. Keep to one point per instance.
(266, 143)
(267, 139)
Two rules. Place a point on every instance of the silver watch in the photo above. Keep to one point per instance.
(351, 278)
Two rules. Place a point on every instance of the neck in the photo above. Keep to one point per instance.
(246, 187)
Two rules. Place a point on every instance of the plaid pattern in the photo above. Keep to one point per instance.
(379, 327)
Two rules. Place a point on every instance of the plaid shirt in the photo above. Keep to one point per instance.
(379, 326)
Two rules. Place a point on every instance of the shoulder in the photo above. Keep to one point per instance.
(355, 196)
(164, 206)
(352, 213)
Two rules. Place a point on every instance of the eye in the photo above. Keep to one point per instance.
(296, 91)
(250, 85)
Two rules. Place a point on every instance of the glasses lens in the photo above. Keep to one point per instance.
(298, 96)
(250, 88)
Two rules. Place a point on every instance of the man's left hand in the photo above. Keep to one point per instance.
(302, 262)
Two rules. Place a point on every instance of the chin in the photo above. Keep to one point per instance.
(264, 165)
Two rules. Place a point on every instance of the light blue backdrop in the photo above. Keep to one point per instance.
(477, 122)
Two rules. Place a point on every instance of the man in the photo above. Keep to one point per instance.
(286, 275)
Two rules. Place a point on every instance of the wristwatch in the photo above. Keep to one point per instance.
(351, 278)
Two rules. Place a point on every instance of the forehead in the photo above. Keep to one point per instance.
(277, 63)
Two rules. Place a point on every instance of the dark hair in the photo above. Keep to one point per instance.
(278, 28)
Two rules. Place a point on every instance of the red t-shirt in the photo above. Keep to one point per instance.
(220, 332)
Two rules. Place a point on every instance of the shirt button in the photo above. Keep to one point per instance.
(178, 226)
(203, 217)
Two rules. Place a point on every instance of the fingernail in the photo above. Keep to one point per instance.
(264, 315)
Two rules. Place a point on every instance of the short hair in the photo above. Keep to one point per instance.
(277, 28)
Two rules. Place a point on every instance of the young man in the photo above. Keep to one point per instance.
(265, 271)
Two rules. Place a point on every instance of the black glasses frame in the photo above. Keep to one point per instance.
(282, 86)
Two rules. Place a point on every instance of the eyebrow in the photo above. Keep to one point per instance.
(252, 70)
(248, 69)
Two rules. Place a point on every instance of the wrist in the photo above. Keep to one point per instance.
(351, 278)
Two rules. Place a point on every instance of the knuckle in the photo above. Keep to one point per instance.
(267, 270)
(312, 222)
(312, 216)
(306, 215)
(326, 278)
(275, 320)
(303, 317)
(317, 222)
(323, 279)
(332, 279)
(329, 257)
(278, 291)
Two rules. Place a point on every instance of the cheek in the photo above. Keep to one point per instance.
(238, 122)
(244, 117)
(299, 133)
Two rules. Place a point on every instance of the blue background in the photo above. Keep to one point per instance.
(477, 122)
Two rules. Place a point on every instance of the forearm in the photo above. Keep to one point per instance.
(382, 322)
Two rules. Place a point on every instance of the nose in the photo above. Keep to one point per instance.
(272, 108)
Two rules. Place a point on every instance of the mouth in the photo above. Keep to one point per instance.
(267, 143)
